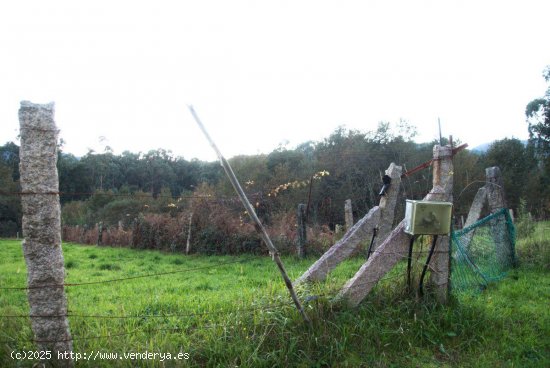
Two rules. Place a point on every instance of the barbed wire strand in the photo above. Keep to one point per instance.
(134, 195)
(196, 314)
(129, 277)
(399, 253)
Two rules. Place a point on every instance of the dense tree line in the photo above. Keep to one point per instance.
(118, 189)
(10, 206)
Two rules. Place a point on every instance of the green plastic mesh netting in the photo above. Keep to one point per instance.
(483, 252)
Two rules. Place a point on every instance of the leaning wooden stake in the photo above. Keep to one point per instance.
(42, 232)
(302, 233)
(250, 210)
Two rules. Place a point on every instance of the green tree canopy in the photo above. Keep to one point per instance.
(538, 119)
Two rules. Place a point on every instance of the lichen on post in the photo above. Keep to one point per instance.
(42, 230)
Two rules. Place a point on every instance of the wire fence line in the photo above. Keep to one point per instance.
(146, 316)
(326, 294)
(216, 198)
(191, 270)
(263, 307)
(130, 277)
(127, 195)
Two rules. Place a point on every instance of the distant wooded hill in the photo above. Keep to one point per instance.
(482, 148)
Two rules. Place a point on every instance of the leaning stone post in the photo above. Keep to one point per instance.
(343, 249)
(42, 230)
(495, 189)
(474, 215)
(392, 249)
(388, 203)
(477, 205)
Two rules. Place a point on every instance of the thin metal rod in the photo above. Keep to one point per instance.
(374, 233)
(250, 210)
(309, 198)
(440, 137)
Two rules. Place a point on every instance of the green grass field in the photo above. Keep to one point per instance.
(234, 311)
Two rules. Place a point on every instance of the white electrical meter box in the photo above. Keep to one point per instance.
(427, 217)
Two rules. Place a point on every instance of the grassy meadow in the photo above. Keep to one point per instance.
(235, 312)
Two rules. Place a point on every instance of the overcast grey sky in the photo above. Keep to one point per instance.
(263, 72)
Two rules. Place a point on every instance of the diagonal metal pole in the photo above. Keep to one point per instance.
(250, 210)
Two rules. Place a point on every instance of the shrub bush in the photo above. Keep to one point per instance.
(217, 227)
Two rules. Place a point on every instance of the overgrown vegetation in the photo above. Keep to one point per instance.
(239, 314)
(534, 248)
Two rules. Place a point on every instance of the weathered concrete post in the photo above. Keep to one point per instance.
(442, 191)
(302, 233)
(388, 203)
(99, 233)
(348, 214)
(395, 246)
(495, 189)
(379, 263)
(491, 193)
(497, 201)
(42, 230)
